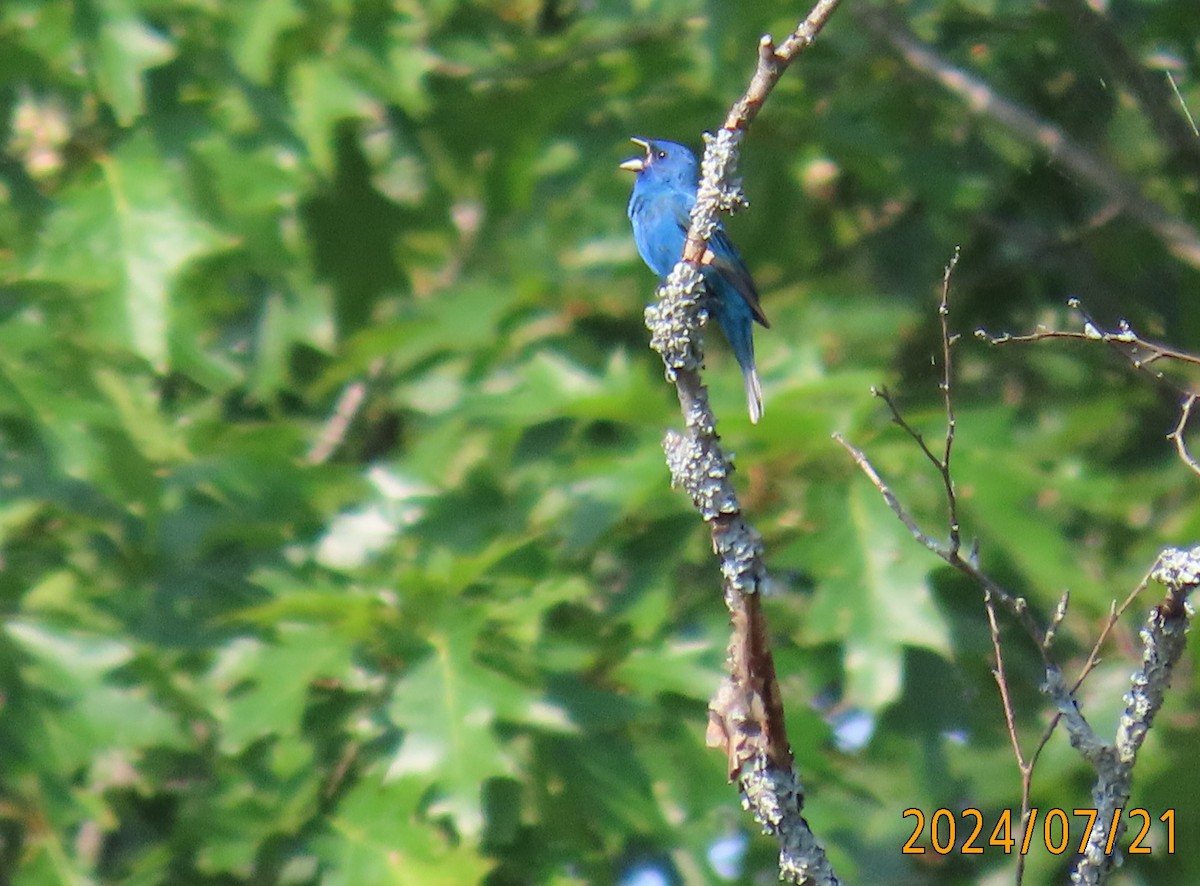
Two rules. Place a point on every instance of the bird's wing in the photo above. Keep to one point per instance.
(722, 256)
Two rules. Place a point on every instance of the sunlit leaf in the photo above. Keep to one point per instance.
(124, 49)
(447, 706)
(378, 841)
(123, 237)
(878, 599)
(267, 686)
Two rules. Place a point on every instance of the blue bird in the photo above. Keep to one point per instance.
(663, 194)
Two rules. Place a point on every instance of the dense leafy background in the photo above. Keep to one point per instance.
(476, 643)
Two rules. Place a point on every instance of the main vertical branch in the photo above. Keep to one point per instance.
(746, 715)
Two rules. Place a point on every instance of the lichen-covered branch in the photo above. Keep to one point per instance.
(746, 716)
(1164, 637)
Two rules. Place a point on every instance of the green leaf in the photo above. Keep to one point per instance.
(122, 237)
(92, 714)
(124, 49)
(1004, 508)
(66, 658)
(409, 64)
(323, 96)
(874, 595)
(47, 860)
(260, 26)
(690, 669)
(262, 689)
(447, 705)
(137, 406)
(604, 774)
(375, 837)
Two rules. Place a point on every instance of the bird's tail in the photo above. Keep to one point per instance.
(753, 393)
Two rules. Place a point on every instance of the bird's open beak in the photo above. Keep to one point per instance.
(637, 164)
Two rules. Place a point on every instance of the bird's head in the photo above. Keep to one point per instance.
(664, 161)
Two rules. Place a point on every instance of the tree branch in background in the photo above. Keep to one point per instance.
(746, 717)
(349, 402)
(1181, 238)
(1155, 97)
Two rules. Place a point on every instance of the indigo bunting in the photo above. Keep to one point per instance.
(663, 194)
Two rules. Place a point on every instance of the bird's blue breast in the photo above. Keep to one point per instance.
(659, 215)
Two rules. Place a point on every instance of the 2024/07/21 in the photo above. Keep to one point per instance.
(943, 840)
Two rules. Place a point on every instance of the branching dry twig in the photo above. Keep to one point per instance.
(1143, 355)
(746, 718)
(1176, 436)
(951, 551)
(1163, 636)
(1024, 765)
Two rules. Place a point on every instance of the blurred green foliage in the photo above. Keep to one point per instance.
(473, 639)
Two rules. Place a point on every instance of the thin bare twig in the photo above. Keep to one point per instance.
(1176, 436)
(1140, 352)
(948, 401)
(1114, 615)
(1183, 105)
(1163, 640)
(1010, 721)
(950, 553)
(349, 402)
(951, 550)
(1143, 355)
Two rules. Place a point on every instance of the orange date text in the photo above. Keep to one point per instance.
(965, 832)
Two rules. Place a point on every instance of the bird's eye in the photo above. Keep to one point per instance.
(661, 155)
